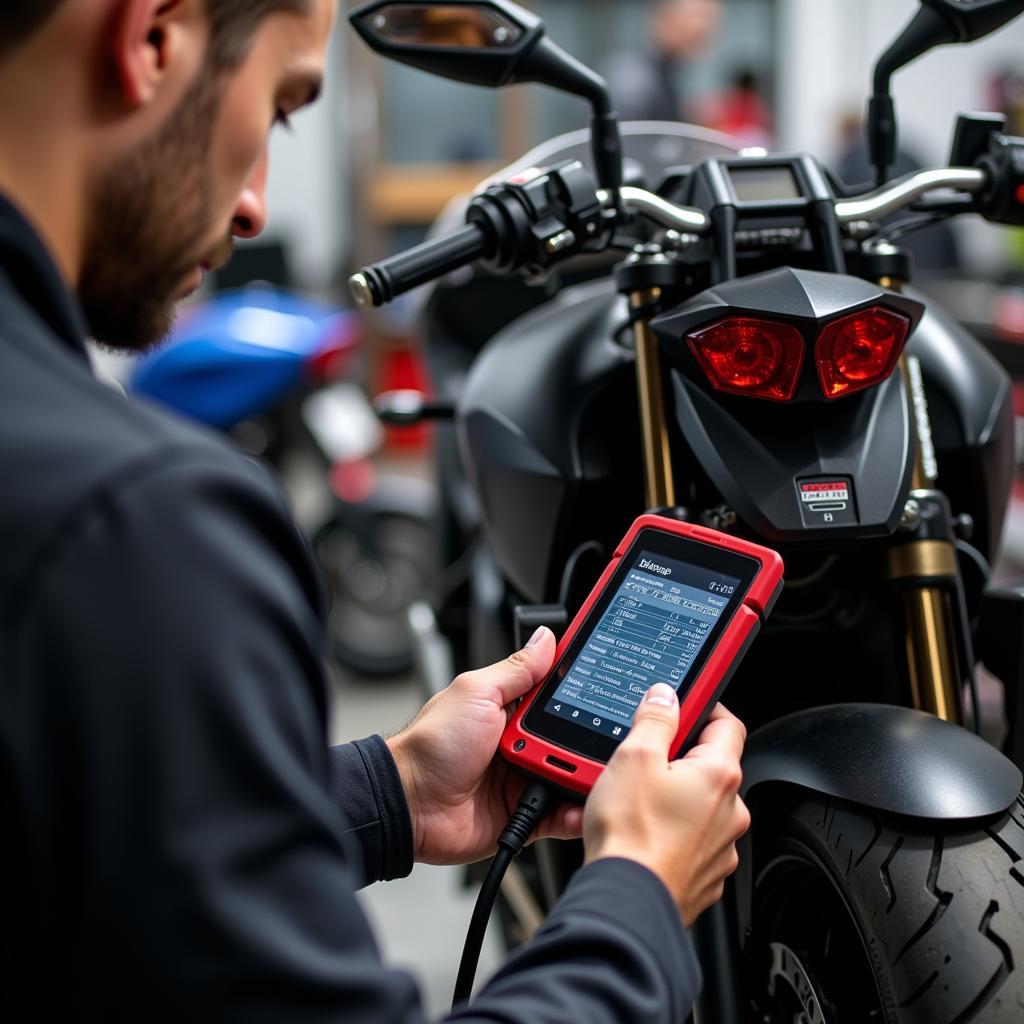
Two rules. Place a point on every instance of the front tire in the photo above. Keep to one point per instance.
(862, 917)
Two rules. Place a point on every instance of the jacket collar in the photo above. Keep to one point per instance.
(30, 269)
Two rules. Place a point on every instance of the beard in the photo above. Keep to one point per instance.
(152, 215)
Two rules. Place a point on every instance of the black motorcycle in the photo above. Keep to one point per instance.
(734, 341)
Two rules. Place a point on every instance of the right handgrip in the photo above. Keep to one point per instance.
(378, 284)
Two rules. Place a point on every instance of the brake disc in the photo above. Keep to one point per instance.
(786, 966)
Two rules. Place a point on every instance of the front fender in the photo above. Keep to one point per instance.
(888, 758)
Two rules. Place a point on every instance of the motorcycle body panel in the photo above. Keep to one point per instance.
(546, 417)
(758, 463)
(759, 454)
(970, 402)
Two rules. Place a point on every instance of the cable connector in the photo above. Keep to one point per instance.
(533, 805)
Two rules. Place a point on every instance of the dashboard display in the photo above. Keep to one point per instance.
(763, 184)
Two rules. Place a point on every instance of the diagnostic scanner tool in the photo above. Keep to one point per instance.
(678, 604)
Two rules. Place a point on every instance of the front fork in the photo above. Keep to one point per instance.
(659, 485)
(923, 567)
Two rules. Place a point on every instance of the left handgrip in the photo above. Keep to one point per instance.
(378, 284)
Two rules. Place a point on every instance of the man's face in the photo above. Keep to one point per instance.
(164, 214)
(688, 27)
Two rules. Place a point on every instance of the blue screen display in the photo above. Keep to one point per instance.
(652, 631)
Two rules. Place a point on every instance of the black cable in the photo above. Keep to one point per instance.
(533, 805)
(905, 227)
(478, 925)
(565, 587)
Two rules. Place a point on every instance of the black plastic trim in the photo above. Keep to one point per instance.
(891, 759)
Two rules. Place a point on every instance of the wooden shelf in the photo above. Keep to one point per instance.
(417, 193)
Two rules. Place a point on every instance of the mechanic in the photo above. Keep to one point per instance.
(644, 81)
(178, 840)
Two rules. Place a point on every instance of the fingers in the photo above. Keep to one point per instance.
(656, 721)
(720, 711)
(565, 822)
(518, 673)
(722, 737)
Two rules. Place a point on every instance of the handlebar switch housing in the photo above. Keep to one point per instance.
(1003, 200)
(971, 137)
(543, 217)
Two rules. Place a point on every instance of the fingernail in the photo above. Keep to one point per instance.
(662, 695)
(536, 638)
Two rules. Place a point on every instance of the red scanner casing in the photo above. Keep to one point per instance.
(576, 773)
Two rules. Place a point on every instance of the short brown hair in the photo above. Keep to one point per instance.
(233, 23)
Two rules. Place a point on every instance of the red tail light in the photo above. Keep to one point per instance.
(745, 356)
(860, 350)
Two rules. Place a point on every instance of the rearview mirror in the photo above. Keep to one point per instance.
(977, 18)
(482, 42)
(491, 43)
(467, 28)
(936, 23)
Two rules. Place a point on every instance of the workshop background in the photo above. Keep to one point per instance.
(366, 171)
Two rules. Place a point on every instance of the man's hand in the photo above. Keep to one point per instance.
(680, 819)
(460, 796)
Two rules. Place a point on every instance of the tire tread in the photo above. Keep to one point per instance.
(942, 912)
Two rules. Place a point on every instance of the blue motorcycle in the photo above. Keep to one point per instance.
(272, 370)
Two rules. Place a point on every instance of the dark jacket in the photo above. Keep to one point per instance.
(178, 841)
(643, 86)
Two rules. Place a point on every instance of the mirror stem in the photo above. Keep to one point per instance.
(550, 65)
(927, 29)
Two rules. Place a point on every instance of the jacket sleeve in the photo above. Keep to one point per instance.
(613, 949)
(366, 787)
(187, 859)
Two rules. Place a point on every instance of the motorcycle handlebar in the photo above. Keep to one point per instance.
(381, 282)
(668, 215)
(378, 284)
(906, 190)
(870, 206)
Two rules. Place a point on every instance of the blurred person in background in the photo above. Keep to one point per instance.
(644, 80)
(739, 111)
(179, 841)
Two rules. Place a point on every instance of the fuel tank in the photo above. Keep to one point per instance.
(548, 430)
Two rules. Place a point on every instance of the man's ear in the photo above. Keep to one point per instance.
(152, 41)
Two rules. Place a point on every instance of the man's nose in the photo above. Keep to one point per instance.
(251, 212)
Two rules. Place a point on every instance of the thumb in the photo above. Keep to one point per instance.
(656, 720)
(519, 672)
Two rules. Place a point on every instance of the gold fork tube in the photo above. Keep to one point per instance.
(930, 633)
(659, 485)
